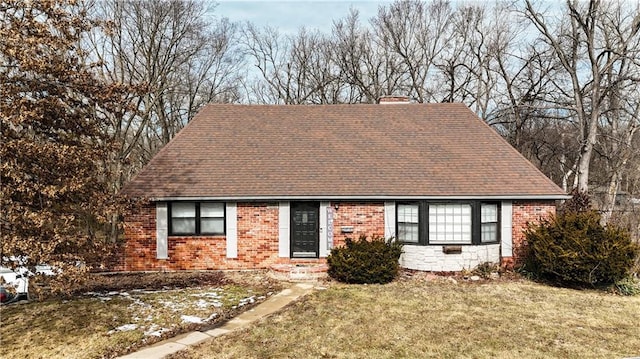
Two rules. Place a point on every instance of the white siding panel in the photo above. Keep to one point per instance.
(283, 229)
(162, 229)
(232, 229)
(389, 220)
(506, 239)
(323, 229)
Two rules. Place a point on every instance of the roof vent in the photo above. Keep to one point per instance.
(394, 100)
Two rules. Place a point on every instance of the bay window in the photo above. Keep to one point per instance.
(454, 222)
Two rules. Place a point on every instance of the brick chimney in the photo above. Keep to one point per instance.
(394, 100)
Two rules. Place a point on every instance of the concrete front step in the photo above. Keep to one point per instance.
(299, 272)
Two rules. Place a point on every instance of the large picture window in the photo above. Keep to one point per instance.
(196, 218)
(450, 223)
(456, 222)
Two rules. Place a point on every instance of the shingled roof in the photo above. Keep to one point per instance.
(339, 151)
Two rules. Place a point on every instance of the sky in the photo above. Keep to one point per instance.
(288, 16)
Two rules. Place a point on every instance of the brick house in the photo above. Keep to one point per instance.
(253, 186)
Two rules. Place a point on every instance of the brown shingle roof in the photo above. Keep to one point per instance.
(332, 151)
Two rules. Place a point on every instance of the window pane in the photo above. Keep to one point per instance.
(183, 210)
(183, 225)
(489, 212)
(209, 210)
(489, 232)
(408, 213)
(408, 232)
(450, 223)
(212, 225)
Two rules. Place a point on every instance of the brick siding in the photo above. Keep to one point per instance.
(366, 218)
(258, 236)
(257, 243)
(525, 212)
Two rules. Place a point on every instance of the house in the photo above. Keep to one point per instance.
(252, 186)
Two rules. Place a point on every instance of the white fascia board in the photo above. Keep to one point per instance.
(364, 197)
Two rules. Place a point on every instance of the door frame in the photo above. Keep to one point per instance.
(292, 206)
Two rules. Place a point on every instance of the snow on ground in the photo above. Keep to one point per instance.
(124, 328)
(155, 331)
(143, 310)
(191, 319)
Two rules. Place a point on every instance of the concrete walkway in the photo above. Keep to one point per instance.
(269, 306)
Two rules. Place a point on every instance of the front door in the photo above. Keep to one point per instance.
(305, 240)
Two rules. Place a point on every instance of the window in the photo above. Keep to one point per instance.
(195, 218)
(456, 222)
(489, 222)
(183, 218)
(408, 224)
(212, 218)
(450, 223)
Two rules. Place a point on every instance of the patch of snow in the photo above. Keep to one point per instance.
(207, 295)
(155, 331)
(201, 303)
(124, 328)
(245, 301)
(191, 319)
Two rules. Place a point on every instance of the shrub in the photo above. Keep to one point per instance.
(486, 270)
(627, 286)
(365, 261)
(574, 248)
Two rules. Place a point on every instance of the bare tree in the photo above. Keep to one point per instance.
(294, 69)
(416, 34)
(586, 58)
(178, 61)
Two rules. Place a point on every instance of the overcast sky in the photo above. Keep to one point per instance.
(289, 16)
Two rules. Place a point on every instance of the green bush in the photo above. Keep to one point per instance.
(574, 248)
(365, 261)
(627, 286)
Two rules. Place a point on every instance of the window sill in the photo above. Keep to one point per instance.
(448, 244)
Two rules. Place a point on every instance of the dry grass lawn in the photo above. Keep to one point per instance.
(118, 316)
(416, 318)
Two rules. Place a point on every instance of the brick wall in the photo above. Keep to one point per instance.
(525, 212)
(140, 234)
(366, 218)
(257, 242)
(258, 236)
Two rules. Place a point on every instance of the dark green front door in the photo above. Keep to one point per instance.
(305, 229)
